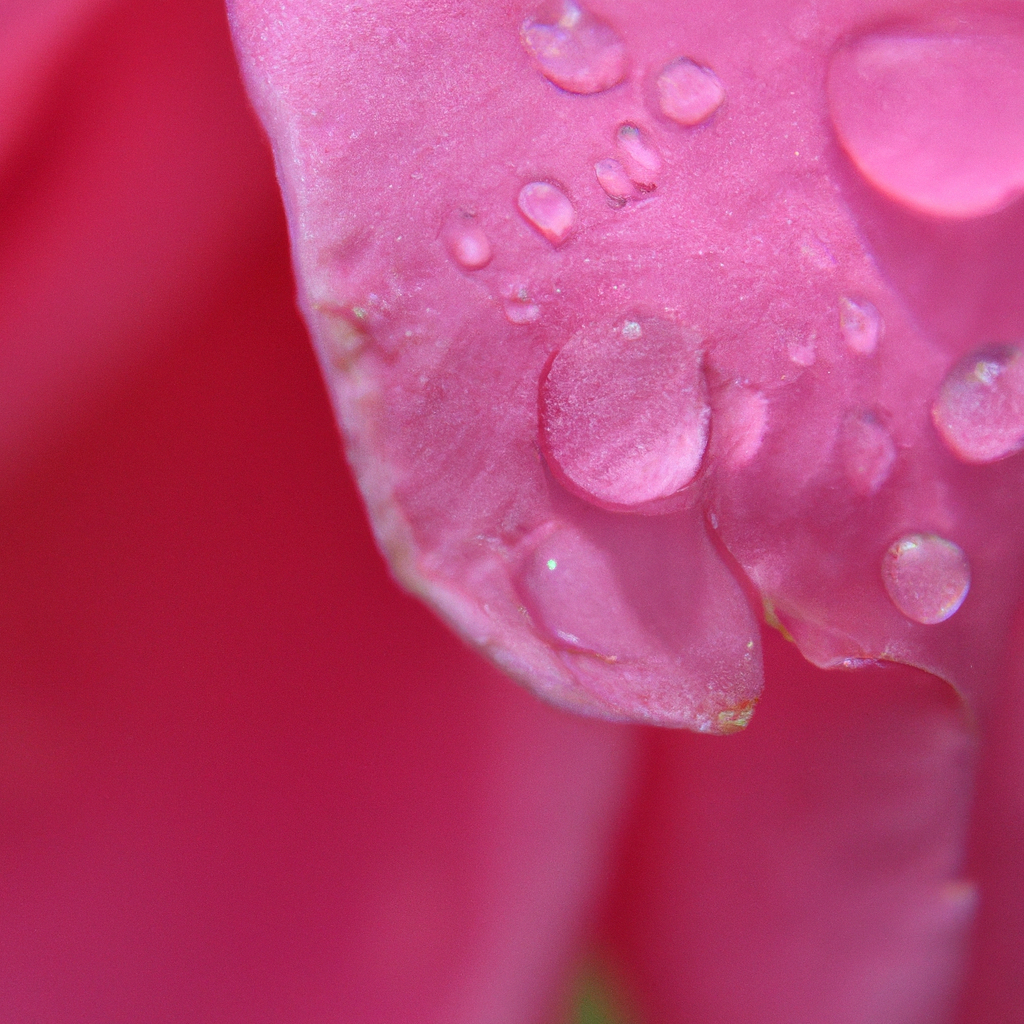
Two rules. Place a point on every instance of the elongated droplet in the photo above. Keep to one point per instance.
(935, 120)
(926, 577)
(548, 209)
(572, 48)
(642, 161)
(624, 413)
(867, 452)
(979, 411)
(688, 93)
(568, 584)
(467, 242)
(860, 324)
(612, 177)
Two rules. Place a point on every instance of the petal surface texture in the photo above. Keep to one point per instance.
(707, 349)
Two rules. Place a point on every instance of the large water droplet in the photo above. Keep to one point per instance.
(548, 209)
(466, 242)
(926, 577)
(688, 93)
(612, 177)
(979, 411)
(624, 413)
(933, 119)
(860, 324)
(867, 452)
(572, 48)
(643, 162)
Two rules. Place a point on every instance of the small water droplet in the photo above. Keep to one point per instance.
(548, 209)
(926, 577)
(861, 325)
(467, 242)
(573, 49)
(612, 177)
(632, 329)
(979, 411)
(935, 119)
(688, 93)
(642, 161)
(624, 419)
(867, 452)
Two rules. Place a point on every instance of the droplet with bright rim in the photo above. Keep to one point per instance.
(624, 413)
(548, 209)
(935, 119)
(642, 161)
(927, 577)
(572, 48)
(612, 177)
(979, 411)
(688, 93)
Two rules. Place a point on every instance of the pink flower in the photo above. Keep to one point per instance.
(243, 778)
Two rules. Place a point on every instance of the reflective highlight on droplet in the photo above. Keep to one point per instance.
(860, 324)
(688, 93)
(572, 48)
(624, 413)
(612, 177)
(642, 161)
(935, 119)
(867, 452)
(979, 410)
(927, 577)
(466, 241)
(548, 209)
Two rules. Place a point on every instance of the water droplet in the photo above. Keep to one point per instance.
(861, 325)
(688, 93)
(572, 48)
(867, 452)
(926, 577)
(568, 585)
(625, 415)
(934, 119)
(642, 161)
(979, 411)
(548, 209)
(612, 177)
(466, 242)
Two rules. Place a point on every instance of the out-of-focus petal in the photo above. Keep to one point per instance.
(242, 778)
(130, 171)
(995, 984)
(810, 869)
